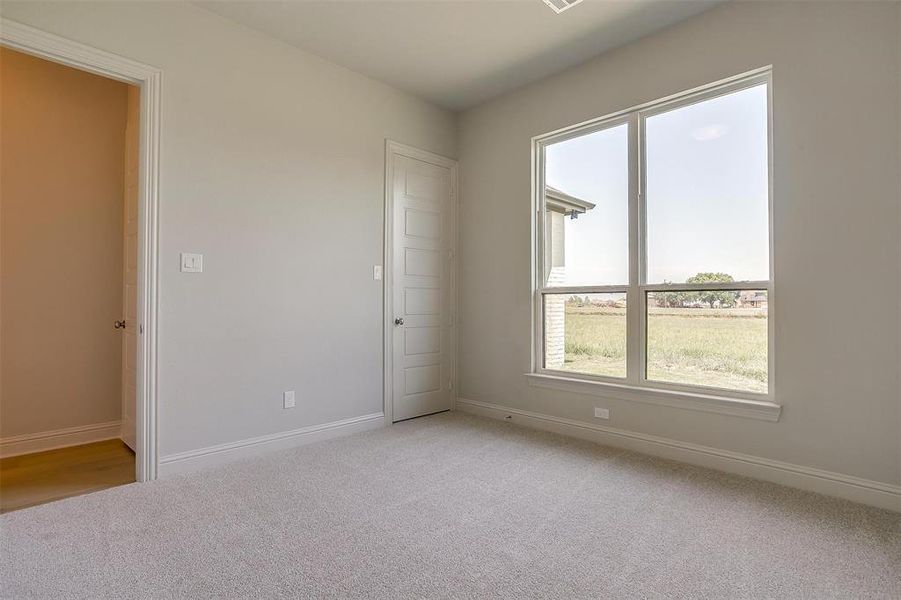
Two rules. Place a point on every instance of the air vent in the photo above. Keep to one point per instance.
(558, 6)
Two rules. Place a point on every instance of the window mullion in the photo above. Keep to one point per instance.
(634, 345)
(539, 263)
(642, 248)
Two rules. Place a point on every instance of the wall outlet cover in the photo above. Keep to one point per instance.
(601, 413)
(288, 399)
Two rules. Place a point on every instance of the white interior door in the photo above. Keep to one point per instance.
(422, 285)
(130, 270)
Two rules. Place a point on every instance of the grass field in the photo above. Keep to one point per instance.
(724, 348)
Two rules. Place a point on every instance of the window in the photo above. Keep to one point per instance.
(653, 245)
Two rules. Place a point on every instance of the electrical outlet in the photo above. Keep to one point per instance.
(289, 399)
(601, 413)
(377, 272)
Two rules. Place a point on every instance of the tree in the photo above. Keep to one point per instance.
(714, 298)
(671, 299)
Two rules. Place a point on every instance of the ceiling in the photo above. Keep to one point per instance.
(456, 53)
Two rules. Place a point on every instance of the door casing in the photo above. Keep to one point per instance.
(393, 149)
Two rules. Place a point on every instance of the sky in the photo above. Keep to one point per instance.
(706, 194)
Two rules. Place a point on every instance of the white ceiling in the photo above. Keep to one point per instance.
(456, 53)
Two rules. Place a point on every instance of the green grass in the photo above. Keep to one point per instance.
(723, 348)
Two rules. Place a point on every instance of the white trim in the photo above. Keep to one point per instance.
(762, 410)
(191, 460)
(393, 149)
(637, 287)
(59, 438)
(856, 489)
(86, 58)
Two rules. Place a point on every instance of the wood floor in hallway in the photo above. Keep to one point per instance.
(32, 479)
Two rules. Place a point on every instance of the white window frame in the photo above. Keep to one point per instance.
(636, 386)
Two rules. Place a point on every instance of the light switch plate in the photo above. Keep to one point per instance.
(288, 399)
(191, 263)
(377, 272)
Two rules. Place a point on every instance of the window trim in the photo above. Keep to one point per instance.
(636, 386)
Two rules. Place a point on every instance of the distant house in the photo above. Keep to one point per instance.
(560, 205)
(752, 299)
(561, 202)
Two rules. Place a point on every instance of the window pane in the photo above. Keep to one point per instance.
(707, 189)
(714, 338)
(585, 333)
(586, 236)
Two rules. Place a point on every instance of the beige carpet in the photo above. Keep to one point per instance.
(452, 506)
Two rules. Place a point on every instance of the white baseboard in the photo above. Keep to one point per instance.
(191, 460)
(59, 438)
(865, 491)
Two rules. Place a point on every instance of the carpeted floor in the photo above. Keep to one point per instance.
(452, 506)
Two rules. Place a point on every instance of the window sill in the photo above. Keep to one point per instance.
(762, 410)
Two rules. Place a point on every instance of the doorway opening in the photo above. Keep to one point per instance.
(69, 273)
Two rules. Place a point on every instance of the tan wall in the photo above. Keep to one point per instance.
(61, 208)
(835, 108)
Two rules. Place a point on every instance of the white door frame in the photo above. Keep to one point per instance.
(86, 58)
(393, 149)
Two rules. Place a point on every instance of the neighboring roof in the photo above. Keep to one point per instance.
(562, 202)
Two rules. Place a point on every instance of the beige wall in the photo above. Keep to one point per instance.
(272, 166)
(836, 151)
(61, 198)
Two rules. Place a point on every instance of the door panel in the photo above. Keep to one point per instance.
(425, 263)
(422, 283)
(422, 340)
(421, 223)
(130, 274)
(422, 301)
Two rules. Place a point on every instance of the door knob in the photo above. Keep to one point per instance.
(399, 321)
(119, 325)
